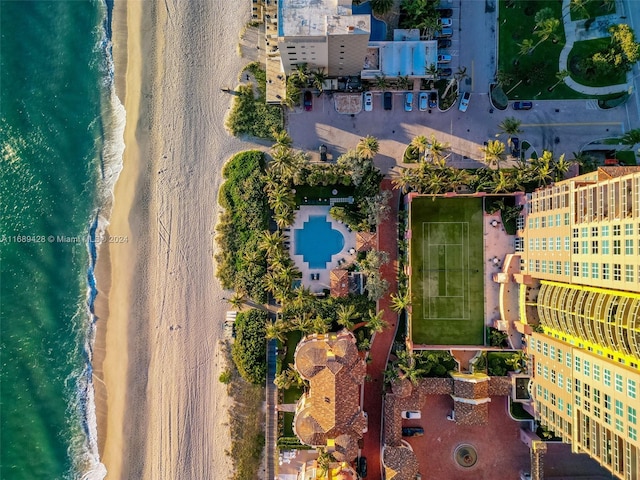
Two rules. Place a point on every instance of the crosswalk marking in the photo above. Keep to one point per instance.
(592, 105)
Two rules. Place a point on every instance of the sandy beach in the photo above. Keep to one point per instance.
(161, 410)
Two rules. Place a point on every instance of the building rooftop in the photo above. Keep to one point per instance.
(305, 18)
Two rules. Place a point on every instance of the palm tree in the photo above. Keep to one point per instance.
(368, 147)
(302, 297)
(408, 367)
(320, 325)
(431, 70)
(494, 152)
(543, 167)
(404, 82)
(631, 138)
(390, 375)
(380, 7)
(404, 179)
(277, 330)
(503, 182)
(526, 47)
(461, 73)
(271, 242)
(288, 378)
(561, 167)
(282, 140)
(318, 78)
(324, 461)
(400, 302)
(579, 6)
(587, 162)
(381, 82)
(420, 143)
(301, 74)
(346, 316)
(436, 149)
(503, 79)
(376, 323)
(509, 126)
(560, 76)
(236, 300)
(545, 30)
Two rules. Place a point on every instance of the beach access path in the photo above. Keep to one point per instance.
(162, 413)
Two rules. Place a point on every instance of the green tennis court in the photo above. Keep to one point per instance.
(447, 290)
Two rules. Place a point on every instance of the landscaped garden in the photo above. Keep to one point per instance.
(584, 71)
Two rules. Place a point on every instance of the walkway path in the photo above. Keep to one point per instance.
(381, 346)
(575, 32)
(271, 428)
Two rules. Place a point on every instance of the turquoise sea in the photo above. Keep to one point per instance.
(60, 152)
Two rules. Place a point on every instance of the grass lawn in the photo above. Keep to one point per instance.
(314, 194)
(594, 8)
(585, 49)
(446, 282)
(627, 157)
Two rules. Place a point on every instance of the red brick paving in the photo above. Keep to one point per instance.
(388, 242)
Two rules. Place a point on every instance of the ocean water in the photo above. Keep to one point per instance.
(60, 153)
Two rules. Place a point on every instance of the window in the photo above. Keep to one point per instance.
(537, 222)
(605, 247)
(631, 415)
(544, 266)
(566, 219)
(616, 247)
(543, 221)
(530, 223)
(576, 269)
(539, 390)
(552, 352)
(544, 243)
(574, 233)
(594, 231)
(578, 386)
(584, 232)
(558, 243)
(587, 406)
(616, 230)
(569, 385)
(585, 269)
(560, 380)
(567, 268)
(595, 270)
(545, 349)
(558, 267)
(568, 358)
(538, 368)
(569, 409)
(619, 425)
(607, 418)
(550, 243)
(607, 377)
(545, 394)
(587, 368)
(616, 272)
(618, 383)
(596, 411)
(633, 433)
(577, 365)
(537, 240)
(560, 404)
(531, 244)
(628, 246)
(605, 271)
(585, 247)
(553, 399)
(605, 230)
(577, 400)
(537, 265)
(619, 411)
(628, 228)
(607, 401)
(596, 372)
(550, 220)
(631, 388)
(576, 248)
(628, 273)
(553, 376)
(531, 265)
(587, 390)
(594, 247)
(596, 395)
(567, 243)
(560, 360)
(545, 372)
(557, 219)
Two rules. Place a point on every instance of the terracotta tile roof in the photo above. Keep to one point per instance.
(400, 463)
(499, 386)
(436, 386)
(611, 172)
(471, 390)
(331, 409)
(469, 414)
(366, 241)
(339, 278)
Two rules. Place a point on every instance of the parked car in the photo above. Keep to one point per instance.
(444, 58)
(433, 100)
(515, 147)
(446, 22)
(445, 12)
(368, 101)
(362, 467)
(323, 152)
(410, 414)
(444, 43)
(387, 100)
(445, 32)
(412, 431)
(444, 72)
(308, 101)
(408, 102)
(464, 102)
(422, 101)
(522, 105)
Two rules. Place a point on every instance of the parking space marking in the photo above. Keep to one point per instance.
(569, 124)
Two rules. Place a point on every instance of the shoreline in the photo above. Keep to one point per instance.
(161, 411)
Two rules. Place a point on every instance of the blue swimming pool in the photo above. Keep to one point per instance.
(317, 241)
(378, 27)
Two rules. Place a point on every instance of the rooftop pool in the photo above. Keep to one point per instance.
(317, 241)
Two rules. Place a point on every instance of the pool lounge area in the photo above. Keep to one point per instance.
(318, 244)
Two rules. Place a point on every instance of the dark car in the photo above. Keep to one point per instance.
(444, 43)
(445, 12)
(445, 72)
(362, 467)
(515, 147)
(522, 105)
(308, 101)
(433, 99)
(323, 152)
(387, 100)
(412, 431)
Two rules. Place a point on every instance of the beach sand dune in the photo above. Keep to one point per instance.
(162, 412)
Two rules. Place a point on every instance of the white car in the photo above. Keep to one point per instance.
(410, 414)
(464, 102)
(446, 22)
(444, 58)
(422, 101)
(368, 101)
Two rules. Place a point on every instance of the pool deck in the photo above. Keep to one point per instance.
(323, 281)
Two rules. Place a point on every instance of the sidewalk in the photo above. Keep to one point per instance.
(381, 346)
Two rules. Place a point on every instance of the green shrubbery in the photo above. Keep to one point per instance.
(246, 215)
(249, 351)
